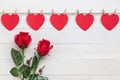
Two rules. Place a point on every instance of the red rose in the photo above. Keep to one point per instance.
(44, 47)
(23, 39)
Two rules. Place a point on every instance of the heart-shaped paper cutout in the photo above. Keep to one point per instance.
(84, 21)
(35, 21)
(59, 21)
(109, 21)
(10, 21)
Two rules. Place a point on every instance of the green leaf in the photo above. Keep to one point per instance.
(24, 70)
(37, 77)
(40, 78)
(34, 63)
(31, 77)
(14, 72)
(16, 56)
(43, 78)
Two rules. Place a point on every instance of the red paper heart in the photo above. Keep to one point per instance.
(109, 21)
(10, 21)
(59, 21)
(84, 21)
(35, 21)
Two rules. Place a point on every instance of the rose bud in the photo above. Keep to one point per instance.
(28, 61)
(41, 70)
(44, 47)
(23, 39)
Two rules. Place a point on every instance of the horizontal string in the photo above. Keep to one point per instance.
(65, 11)
(55, 13)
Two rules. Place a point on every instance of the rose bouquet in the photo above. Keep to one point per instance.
(26, 70)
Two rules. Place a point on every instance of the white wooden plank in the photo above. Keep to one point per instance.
(71, 36)
(70, 51)
(48, 5)
(71, 66)
(71, 77)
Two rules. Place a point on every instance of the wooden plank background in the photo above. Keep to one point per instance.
(77, 55)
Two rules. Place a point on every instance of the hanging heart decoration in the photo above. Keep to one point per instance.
(35, 21)
(109, 21)
(84, 21)
(59, 21)
(10, 21)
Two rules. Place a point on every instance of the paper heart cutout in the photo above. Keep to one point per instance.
(35, 21)
(59, 21)
(109, 21)
(10, 21)
(84, 21)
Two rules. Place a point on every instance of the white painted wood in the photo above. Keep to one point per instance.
(71, 66)
(72, 77)
(77, 55)
(69, 36)
(70, 51)
(60, 6)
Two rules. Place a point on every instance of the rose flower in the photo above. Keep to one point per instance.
(44, 47)
(23, 39)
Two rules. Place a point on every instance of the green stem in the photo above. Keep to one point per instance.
(23, 60)
(37, 65)
(23, 55)
(20, 78)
